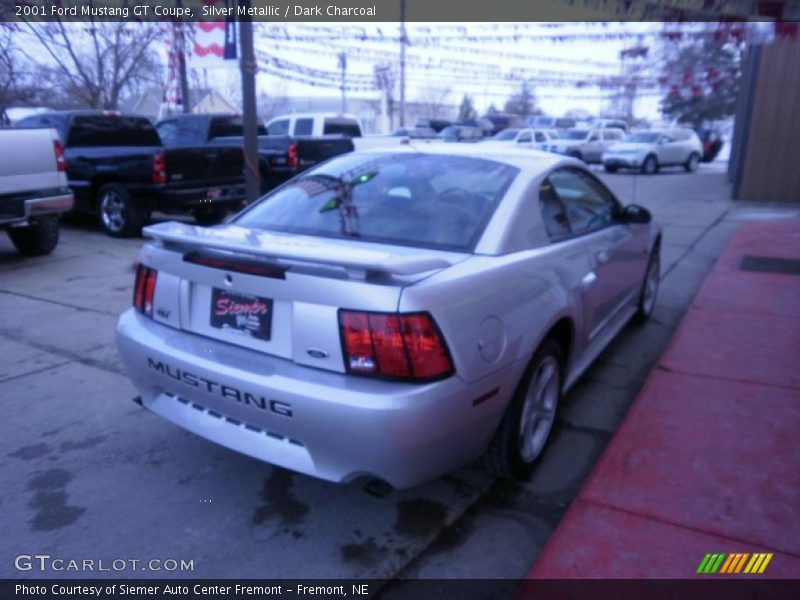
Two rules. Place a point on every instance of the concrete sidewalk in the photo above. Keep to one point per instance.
(708, 459)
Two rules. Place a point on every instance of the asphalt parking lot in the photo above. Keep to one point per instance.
(88, 474)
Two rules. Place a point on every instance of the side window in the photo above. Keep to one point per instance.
(168, 132)
(594, 137)
(29, 123)
(525, 138)
(589, 205)
(540, 137)
(278, 127)
(554, 214)
(303, 126)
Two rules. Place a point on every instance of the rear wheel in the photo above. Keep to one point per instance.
(649, 292)
(118, 214)
(38, 238)
(692, 162)
(210, 216)
(650, 165)
(525, 428)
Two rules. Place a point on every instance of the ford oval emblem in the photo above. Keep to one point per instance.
(314, 353)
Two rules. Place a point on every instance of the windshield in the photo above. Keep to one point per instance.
(505, 135)
(409, 199)
(576, 135)
(644, 137)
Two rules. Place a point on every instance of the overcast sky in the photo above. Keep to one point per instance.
(593, 57)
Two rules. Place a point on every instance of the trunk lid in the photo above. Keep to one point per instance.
(277, 293)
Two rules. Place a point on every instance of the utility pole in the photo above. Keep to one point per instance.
(248, 67)
(402, 63)
(180, 39)
(343, 67)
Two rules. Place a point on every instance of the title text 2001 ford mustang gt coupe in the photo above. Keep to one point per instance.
(390, 314)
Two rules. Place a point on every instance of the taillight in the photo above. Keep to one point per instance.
(159, 168)
(394, 346)
(292, 158)
(144, 290)
(61, 163)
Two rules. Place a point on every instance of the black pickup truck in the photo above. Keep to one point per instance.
(119, 169)
(280, 157)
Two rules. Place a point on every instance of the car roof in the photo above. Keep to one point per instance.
(309, 115)
(525, 159)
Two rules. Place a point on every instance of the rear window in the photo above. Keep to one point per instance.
(278, 127)
(304, 126)
(111, 130)
(232, 126)
(409, 199)
(345, 127)
(186, 131)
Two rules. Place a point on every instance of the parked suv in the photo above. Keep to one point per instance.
(587, 145)
(651, 150)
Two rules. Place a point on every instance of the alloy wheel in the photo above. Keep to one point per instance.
(539, 410)
(112, 211)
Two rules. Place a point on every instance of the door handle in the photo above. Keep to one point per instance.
(602, 257)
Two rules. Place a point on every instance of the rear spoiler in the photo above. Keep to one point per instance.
(351, 256)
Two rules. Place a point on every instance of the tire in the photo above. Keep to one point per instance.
(692, 162)
(612, 168)
(40, 237)
(649, 292)
(119, 216)
(512, 453)
(650, 165)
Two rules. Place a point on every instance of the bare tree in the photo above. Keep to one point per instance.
(14, 81)
(434, 103)
(96, 62)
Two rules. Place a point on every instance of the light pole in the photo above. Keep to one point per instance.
(248, 67)
(402, 63)
(343, 67)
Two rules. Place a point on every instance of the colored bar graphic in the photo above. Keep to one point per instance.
(701, 568)
(727, 564)
(741, 562)
(764, 564)
(717, 564)
(735, 563)
(754, 562)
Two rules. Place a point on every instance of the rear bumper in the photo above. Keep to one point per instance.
(24, 209)
(622, 162)
(328, 425)
(228, 195)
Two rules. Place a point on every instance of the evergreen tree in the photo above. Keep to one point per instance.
(467, 109)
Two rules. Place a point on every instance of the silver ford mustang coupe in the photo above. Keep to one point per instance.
(391, 314)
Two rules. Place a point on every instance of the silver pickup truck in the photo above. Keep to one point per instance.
(33, 188)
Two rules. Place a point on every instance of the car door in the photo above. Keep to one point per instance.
(668, 150)
(540, 140)
(611, 137)
(524, 139)
(593, 147)
(617, 254)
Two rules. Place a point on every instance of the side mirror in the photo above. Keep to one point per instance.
(633, 213)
